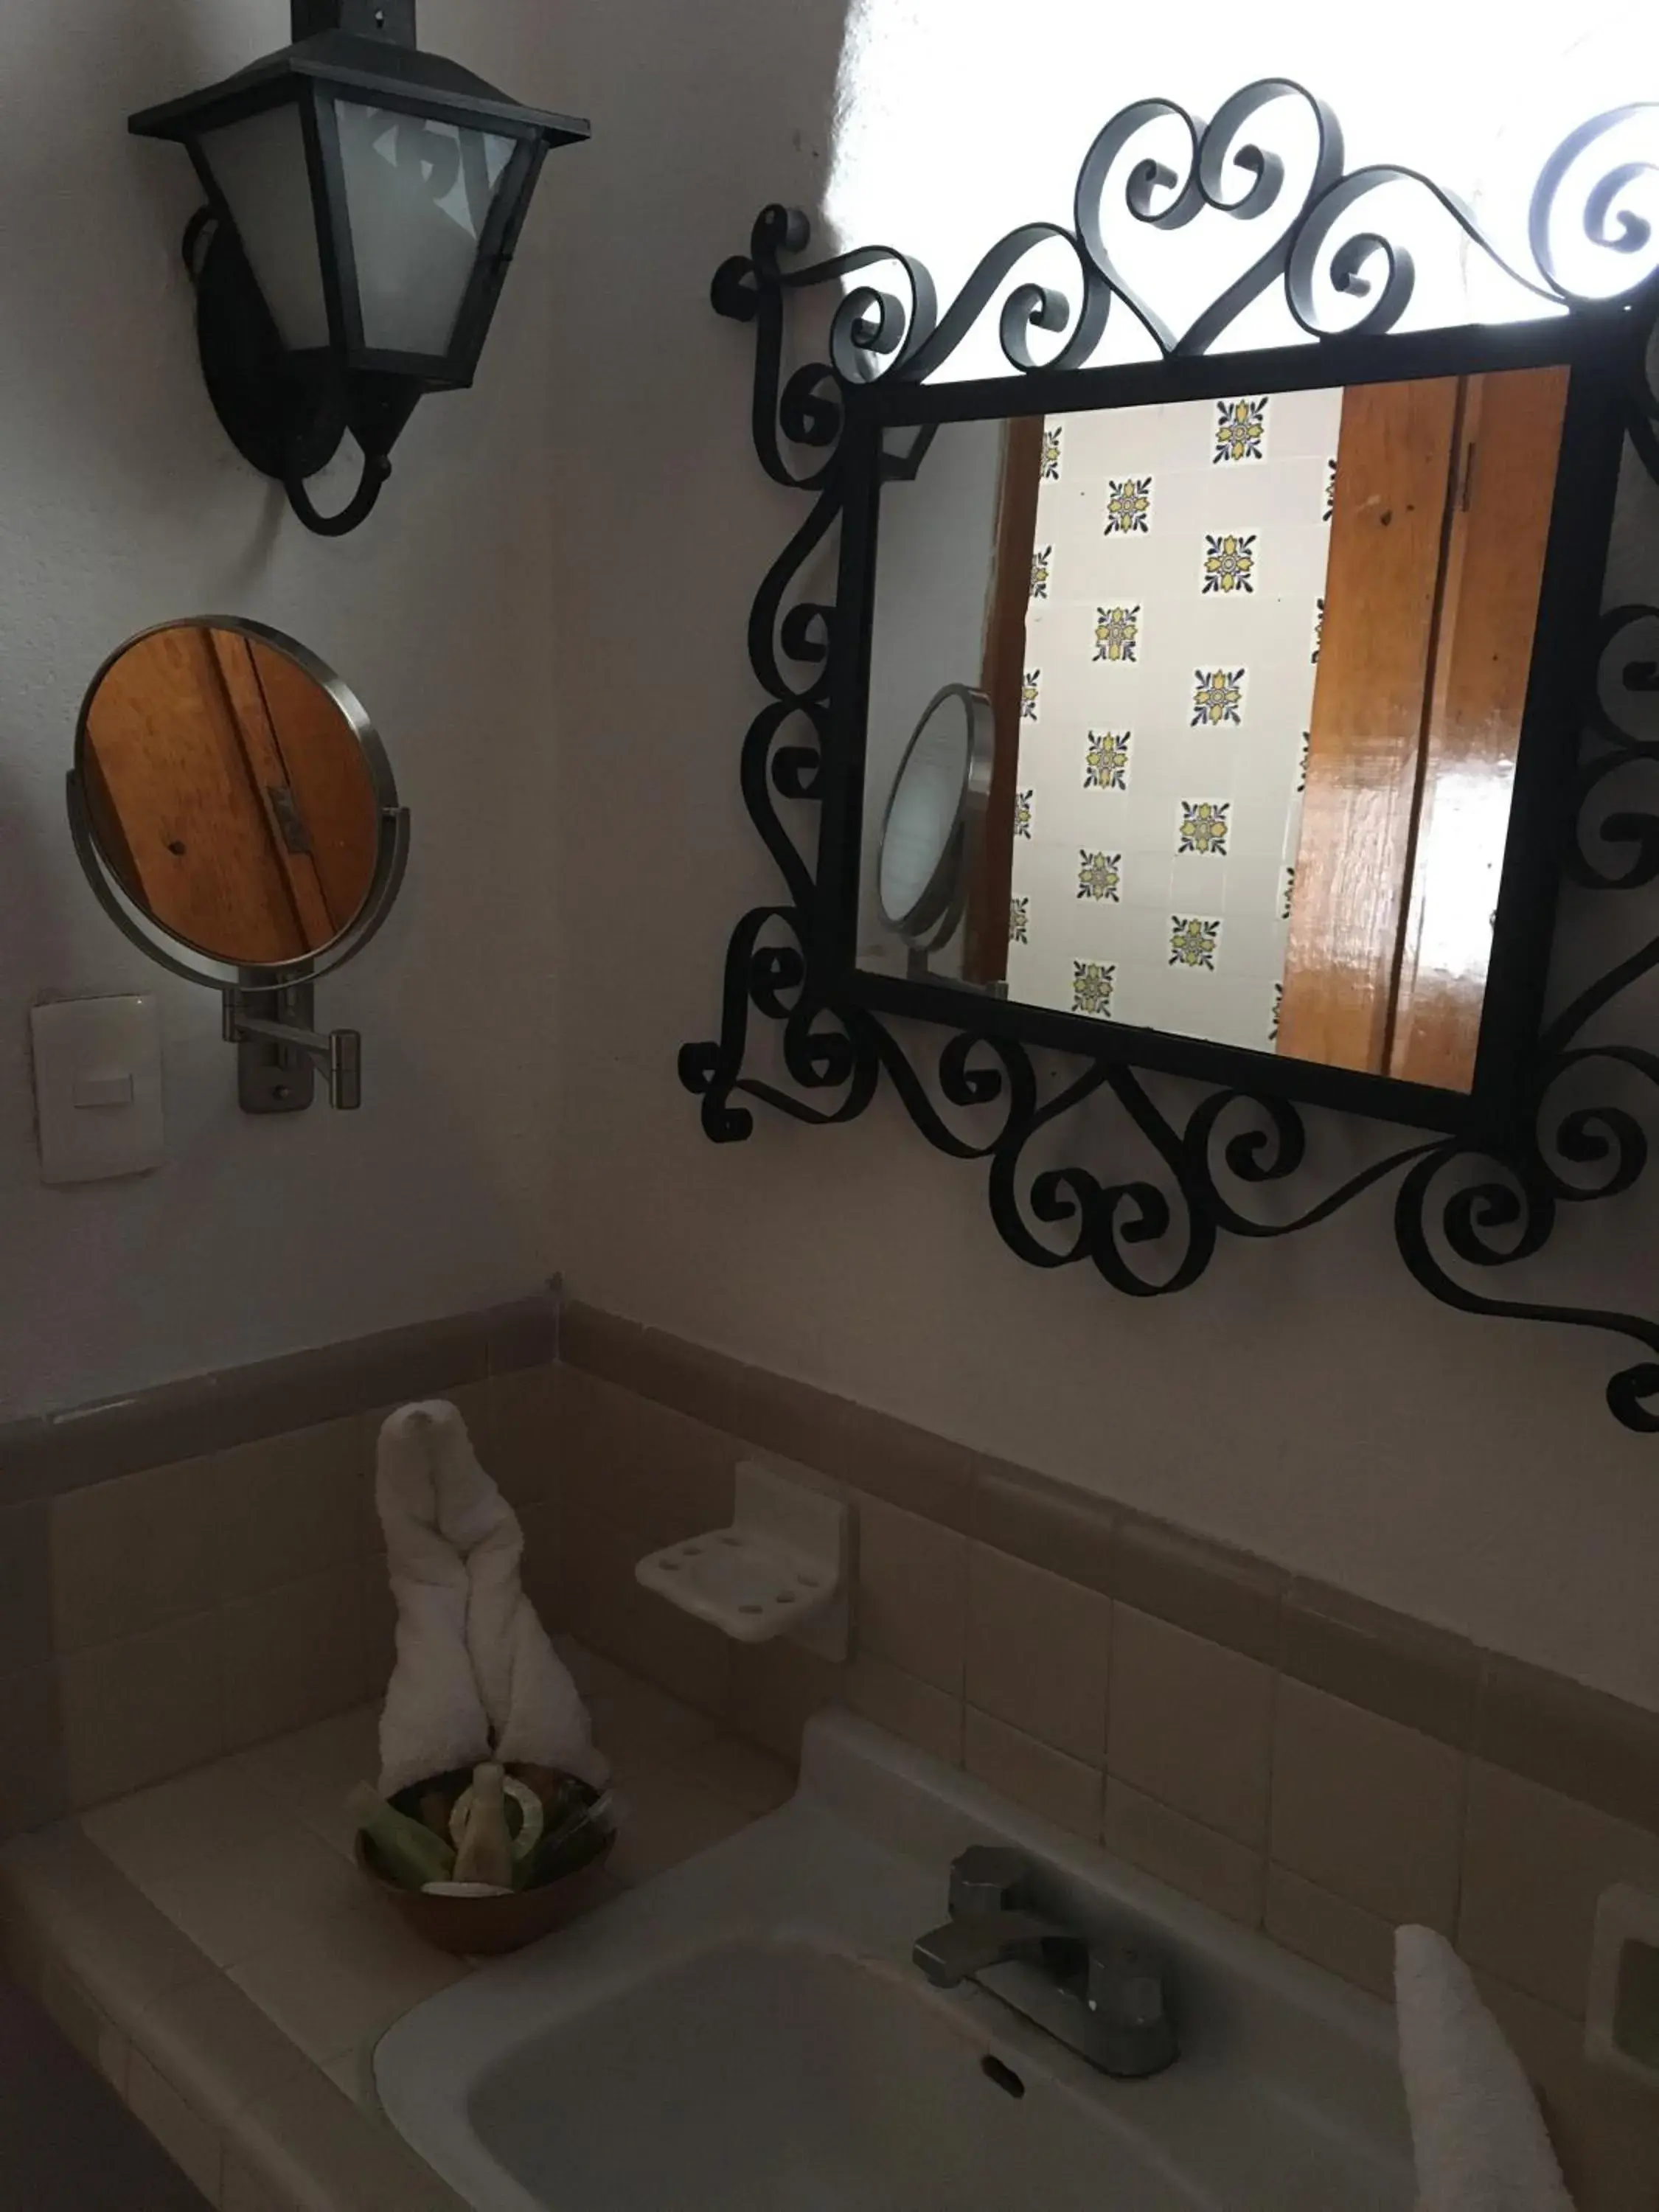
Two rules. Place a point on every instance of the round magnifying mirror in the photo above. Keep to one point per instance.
(234, 793)
(938, 797)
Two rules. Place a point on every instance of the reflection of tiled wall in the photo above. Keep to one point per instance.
(1172, 649)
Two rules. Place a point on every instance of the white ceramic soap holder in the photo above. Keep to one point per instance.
(780, 1569)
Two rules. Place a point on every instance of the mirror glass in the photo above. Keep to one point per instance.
(229, 792)
(1256, 668)
(943, 770)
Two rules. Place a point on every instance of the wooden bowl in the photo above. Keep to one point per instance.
(484, 1927)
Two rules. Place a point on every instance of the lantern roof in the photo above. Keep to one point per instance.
(345, 62)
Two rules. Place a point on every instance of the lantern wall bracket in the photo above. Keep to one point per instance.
(285, 392)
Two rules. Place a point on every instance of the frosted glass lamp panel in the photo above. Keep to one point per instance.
(418, 196)
(259, 165)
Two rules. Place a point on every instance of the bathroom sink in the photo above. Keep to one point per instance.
(764, 2075)
(747, 2033)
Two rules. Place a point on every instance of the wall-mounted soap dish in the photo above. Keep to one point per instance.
(1621, 2015)
(780, 1569)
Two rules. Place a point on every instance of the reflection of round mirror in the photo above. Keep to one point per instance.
(233, 793)
(938, 794)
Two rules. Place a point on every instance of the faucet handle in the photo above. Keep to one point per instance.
(987, 1878)
(1128, 1993)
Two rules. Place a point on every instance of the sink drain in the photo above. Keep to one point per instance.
(1003, 2076)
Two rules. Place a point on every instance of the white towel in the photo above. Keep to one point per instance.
(1477, 2135)
(475, 1677)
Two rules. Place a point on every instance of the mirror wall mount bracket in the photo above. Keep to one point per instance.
(279, 1054)
(1183, 1169)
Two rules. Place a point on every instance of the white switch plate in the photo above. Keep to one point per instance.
(98, 1088)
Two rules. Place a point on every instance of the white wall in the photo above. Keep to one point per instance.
(1306, 1399)
(123, 505)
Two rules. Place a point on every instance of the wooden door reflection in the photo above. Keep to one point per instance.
(1445, 492)
(229, 795)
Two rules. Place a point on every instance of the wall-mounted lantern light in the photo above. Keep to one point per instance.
(363, 201)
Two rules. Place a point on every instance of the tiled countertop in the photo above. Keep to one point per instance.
(250, 1861)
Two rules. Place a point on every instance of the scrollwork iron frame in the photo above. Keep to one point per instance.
(1482, 1196)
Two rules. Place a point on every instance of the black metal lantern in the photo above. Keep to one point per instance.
(363, 202)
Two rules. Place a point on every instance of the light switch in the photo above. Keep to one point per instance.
(98, 1088)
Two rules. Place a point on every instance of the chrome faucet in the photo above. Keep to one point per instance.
(1108, 2000)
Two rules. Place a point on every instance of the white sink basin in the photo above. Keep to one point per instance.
(747, 2034)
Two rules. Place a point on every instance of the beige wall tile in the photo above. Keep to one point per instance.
(656, 1365)
(1190, 1723)
(1058, 1789)
(1200, 1861)
(26, 1587)
(378, 1623)
(191, 2142)
(754, 1780)
(1064, 1531)
(907, 1707)
(268, 1891)
(310, 1772)
(525, 1333)
(906, 1467)
(527, 1462)
(33, 1774)
(134, 1554)
(139, 1710)
(292, 1656)
(126, 1953)
(1534, 1864)
(640, 1464)
(1603, 2127)
(287, 1508)
(912, 1602)
(1039, 1652)
(1571, 1738)
(672, 1817)
(242, 2190)
(1367, 1809)
(84, 2022)
(308, 2147)
(348, 1979)
(542, 1569)
(606, 1608)
(1341, 1937)
(1226, 1597)
(470, 1399)
(173, 1826)
(775, 1689)
(639, 1724)
(215, 2047)
(1424, 1677)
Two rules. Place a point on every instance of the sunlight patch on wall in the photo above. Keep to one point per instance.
(958, 120)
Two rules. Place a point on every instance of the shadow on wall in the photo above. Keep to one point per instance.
(81, 330)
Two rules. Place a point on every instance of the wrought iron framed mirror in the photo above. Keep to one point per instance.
(1287, 651)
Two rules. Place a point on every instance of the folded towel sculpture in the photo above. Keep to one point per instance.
(1477, 2135)
(475, 1678)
